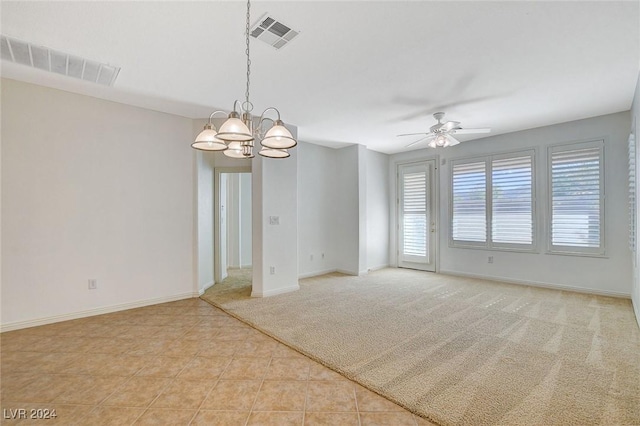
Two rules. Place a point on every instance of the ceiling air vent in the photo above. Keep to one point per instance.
(274, 33)
(50, 60)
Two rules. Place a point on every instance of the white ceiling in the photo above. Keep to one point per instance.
(359, 72)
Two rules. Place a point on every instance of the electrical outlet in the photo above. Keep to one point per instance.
(274, 220)
(490, 259)
(272, 270)
(93, 284)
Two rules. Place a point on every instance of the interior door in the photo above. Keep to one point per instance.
(416, 216)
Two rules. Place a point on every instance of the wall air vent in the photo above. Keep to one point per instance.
(274, 33)
(46, 59)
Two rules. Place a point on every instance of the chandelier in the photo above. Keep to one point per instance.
(237, 134)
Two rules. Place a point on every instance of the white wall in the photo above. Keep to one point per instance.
(343, 209)
(92, 189)
(348, 210)
(635, 118)
(362, 210)
(318, 217)
(275, 193)
(245, 220)
(377, 210)
(609, 275)
(223, 212)
(204, 170)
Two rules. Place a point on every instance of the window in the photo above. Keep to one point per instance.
(414, 213)
(469, 221)
(512, 218)
(493, 202)
(576, 179)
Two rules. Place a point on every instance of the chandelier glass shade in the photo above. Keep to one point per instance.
(234, 150)
(208, 140)
(234, 129)
(274, 153)
(278, 137)
(237, 134)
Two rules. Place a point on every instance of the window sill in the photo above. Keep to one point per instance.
(532, 250)
(576, 254)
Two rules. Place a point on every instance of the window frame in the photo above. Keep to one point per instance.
(572, 250)
(489, 244)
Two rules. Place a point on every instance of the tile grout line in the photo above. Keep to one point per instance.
(101, 401)
(306, 394)
(255, 399)
(415, 421)
(211, 390)
(165, 386)
(355, 397)
(145, 409)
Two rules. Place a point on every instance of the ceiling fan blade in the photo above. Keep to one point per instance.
(449, 125)
(470, 131)
(452, 141)
(428, 137)
(412, 134)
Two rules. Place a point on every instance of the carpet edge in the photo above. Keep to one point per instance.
(316, 359)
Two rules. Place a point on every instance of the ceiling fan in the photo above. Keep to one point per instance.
(441, 134)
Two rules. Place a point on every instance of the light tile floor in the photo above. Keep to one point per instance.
(177, 363)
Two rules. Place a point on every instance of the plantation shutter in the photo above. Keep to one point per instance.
(415, 213)
(469, 222)
(512, 200)
(577, 198)
(632, 192)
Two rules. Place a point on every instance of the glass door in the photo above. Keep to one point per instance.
(416, 216)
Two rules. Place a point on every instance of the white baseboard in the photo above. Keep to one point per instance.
(316, 273)
(538, 284)
(340, 271)
(344, 271)
(17, 325)
(205, 288)
(275, 291)
(377, 268)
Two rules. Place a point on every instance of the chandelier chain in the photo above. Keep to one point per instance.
(247, 51)
(237, 134)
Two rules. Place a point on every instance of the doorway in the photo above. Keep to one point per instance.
(417, 216)
(232, 220)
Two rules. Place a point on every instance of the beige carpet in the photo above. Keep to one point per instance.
(461, 351)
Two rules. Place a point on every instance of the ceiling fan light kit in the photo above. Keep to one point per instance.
(237, 134)
(440, 135)
(443, 140)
